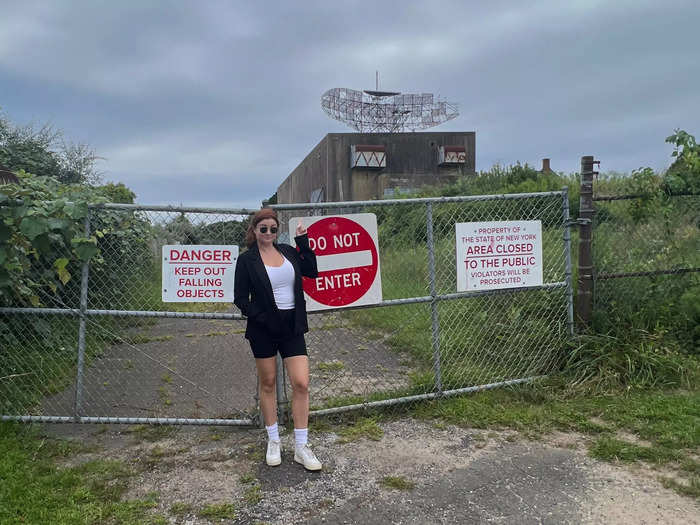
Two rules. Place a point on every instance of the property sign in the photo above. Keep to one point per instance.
(198, 273)
(501, 254)
(347, 254)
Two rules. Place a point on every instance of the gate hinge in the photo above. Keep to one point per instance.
(579, 222)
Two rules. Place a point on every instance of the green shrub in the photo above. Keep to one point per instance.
(44, 243)
(648, 326)
(43, 249)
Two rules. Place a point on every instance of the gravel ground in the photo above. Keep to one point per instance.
(453, 475)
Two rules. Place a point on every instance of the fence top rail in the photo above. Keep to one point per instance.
(639, 196)
(315, 205)
(168, 207)
(422, 200)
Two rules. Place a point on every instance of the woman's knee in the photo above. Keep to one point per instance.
(300, 385)
(267, 383)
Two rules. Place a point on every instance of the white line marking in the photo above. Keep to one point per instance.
(340, 261)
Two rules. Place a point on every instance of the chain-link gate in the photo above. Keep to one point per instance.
(425, 340)
(139, 360)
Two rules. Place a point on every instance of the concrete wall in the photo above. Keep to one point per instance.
(412, 162)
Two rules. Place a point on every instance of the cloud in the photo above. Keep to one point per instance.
(219, 99)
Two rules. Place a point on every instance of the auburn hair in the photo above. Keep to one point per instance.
(260, 215)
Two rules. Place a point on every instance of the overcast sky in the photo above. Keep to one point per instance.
(216, 102)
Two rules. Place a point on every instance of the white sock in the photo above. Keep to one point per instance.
(301, 437)
(273, 432)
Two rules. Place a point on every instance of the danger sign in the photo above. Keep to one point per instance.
(347, 255)
(198, 273)
(502, 254)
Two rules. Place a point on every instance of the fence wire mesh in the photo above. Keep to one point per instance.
(143, 358)
(367, 355)
(37, 362)
(646, 252)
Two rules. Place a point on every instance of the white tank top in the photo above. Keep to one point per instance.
(282, 281)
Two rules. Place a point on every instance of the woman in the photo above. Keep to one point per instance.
(269, 293)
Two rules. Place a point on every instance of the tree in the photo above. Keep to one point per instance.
(684, 173)
(44, 152)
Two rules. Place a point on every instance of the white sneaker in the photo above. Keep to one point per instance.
(306, 457)
(274, 453)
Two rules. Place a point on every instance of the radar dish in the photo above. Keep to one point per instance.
(380, 94)
(386, 111)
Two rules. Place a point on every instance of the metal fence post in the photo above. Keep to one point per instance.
(567, 252)
(260, 419)
(435, 324)
(282, 402)
(584, 293)
(78, 405)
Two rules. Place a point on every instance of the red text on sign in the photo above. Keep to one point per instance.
(200, 294)
(200, 255)
(329, 282)
(350, 276)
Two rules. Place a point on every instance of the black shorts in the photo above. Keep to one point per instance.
(287, 344)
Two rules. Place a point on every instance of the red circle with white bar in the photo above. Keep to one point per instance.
(347, 261)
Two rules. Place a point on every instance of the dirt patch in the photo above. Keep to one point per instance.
(458, 476)
(627, 495)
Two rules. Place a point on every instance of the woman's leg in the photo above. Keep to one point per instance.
(298, 370)
(268, 395)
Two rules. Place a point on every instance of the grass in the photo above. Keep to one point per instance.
(215, 334)
(246, 478)
(609, 448)
(254, 453)
(218, 511)
(162, 452)
(366, 428)
(253, 495)
(397, 483)
(331, 366)
(667, 418)
(691, 489)
(35, 490)
(153, 432)
(180, 509)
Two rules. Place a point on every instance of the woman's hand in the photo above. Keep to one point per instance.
(300, 229)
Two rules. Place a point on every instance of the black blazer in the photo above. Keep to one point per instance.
(252, 291)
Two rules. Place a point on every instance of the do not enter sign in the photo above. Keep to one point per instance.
(348, 260)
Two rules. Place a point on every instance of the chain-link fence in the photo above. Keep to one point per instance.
(646, 257)
(105, 348)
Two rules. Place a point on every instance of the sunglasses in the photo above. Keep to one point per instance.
(263, 229)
